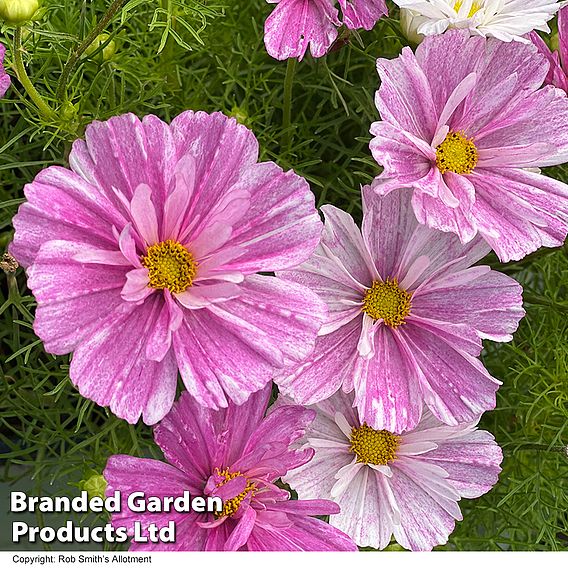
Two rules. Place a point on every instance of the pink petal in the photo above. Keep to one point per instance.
(156, 479)
(491, 304)
(242, 531)
(202, 295)
(77, 212)
(405, 98)
(136, 288)
(296, 24)
(387, 393)
(223, 151)
(281, 228)
(424, 523)
(362, 13)
(178, 201)
(111, 369)
(326, 369)
(456, 386)
(144, 214)
(85, 293)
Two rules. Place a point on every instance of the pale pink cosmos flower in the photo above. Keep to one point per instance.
(235, 454)
(143, 258)
(4, 77)
(295, 25)
(466, 126)
(407, 315)
(558, 60)
(406, 485)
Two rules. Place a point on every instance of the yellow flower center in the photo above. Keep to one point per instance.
(456, 154)
(386, 301)
(374, 446)
(475, 7)
(170, 265)
(231, 506)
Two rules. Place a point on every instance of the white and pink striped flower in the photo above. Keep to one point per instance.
(407, 315)
(407, 485)
(466, 128)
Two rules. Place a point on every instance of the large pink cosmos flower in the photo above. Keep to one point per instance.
(407, 316)
(143, 256)
(465, 124)
(558, 60)
(237, 455)
(4, 77)
(408, 485)
(296, 24)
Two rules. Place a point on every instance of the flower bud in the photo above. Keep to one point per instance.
(108, 50)
(409, 23)
(68, 111)
(18, 12)
(95, 486)
(239, 114)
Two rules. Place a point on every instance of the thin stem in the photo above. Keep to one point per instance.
(25, 81)
(76, 55)
(287, 110)
(543, 448)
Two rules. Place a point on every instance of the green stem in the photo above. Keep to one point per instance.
(22, 75)
(76, 55)
(287, 110)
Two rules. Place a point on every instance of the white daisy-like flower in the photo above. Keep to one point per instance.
(507, 20)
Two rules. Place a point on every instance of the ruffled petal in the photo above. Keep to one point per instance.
(87, 294)
(62, 206)
(236, 347)
(296, 24)
(362, 13)
(128, 475)
(387, 393)
(326, 369)
(110, 367)
(490, 303)
(456, 387)
(281, 228)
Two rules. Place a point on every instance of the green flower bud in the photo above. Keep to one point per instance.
(68, 111)
(108, 50)
(239, 114)
(18, 12)
(95, 486)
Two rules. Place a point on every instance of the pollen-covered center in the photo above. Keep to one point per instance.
(456, 154)
(475, 7)
(374, 446)
(170, 265)
(387, 301)
(231, 506)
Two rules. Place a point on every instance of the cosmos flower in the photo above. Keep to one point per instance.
(558, 60)
(408, 485)
(296, 24)
(466, 125)
(142, 258)
(4, 77)
(237, 455)
(407, 315)
(506, 20)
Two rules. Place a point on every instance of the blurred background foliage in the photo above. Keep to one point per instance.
(165, 56)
